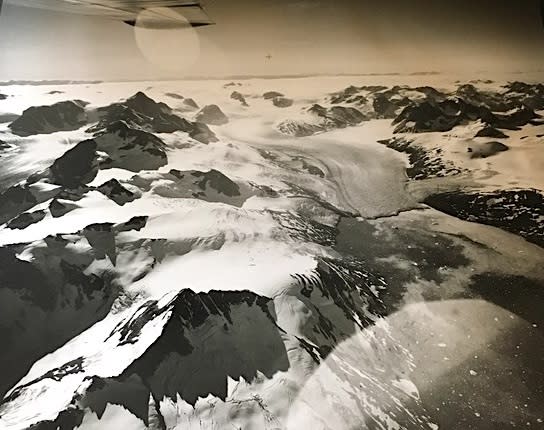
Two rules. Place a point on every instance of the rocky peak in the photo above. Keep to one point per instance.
(61, 116)
(212, 115)
(77, 166)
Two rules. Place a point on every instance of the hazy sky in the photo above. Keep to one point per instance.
(302, 36)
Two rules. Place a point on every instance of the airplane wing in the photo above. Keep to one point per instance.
(159, 14)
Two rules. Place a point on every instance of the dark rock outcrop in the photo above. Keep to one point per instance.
(62, 116)
(238, 96)
(351, 95)
(487, 149)
(428, 116)
(4, 145)
(337, 116)
(211, 115)
(282, 102)
(47, 302)
(530, 95)
(130, 148)
(495, 102)
(324, 119)
(116, 192)
(509, 110)
(299, 128)
(15, 200)
(142, 112)
(8, 117)
(202, 133)
(516, 211)
(174, 96)
(491, 132)
(218, 181)
(60, 207)
(135, 223)
(272, 95)
(26, 219)
(77, 166)
(384, 107)
(190, 103)
(339, 297)
(424, 164)
(210, 186)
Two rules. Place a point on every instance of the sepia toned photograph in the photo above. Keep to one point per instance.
(271, 215)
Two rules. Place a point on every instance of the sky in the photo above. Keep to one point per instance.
(302, 37)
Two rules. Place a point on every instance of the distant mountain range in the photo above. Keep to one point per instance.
(47, 82)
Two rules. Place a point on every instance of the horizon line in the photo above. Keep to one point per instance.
(45, 82)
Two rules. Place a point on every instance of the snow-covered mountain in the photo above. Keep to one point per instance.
(286, 256)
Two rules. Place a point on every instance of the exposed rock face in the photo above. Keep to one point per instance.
(381, 102)
(8, 117)
(26, 219)
(55, 297)
(423, 164)
(384, 107)
(3, 96)
(272, 95)
(15, 200)
(487, 149)
(518, 211)
(509, 110)
(238, 96)
(282, 102)
(218, 181)
(337, 116)
(191, 357)
(135, 223)
(130, 148)
(489, 131)
(530, 95)
(338, 303)
(426, 109)
(60, 207)
(190, 103)
(202, 133)
(429, 116)
(77, 166)
(211, 115)
(212, 186)
(193, 312)
(492, 101)
(64, 181)
(140, 111)
(174, 96)
(351, 95)
(62, 116)
(322, 119)
(116, 192)
(299, 128)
